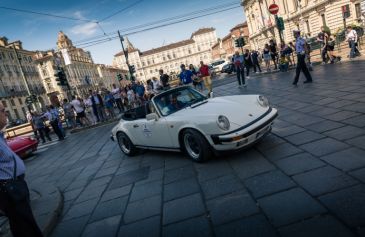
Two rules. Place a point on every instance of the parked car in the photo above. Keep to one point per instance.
(228, 68)
(23, 146)
(218, 65)
(183, 119)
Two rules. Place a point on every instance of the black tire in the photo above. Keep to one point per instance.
(126, 145)
(195, 145)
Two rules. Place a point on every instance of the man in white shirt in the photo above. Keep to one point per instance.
(156, 85)
(117, 97)
(80, 111)
(351, 37)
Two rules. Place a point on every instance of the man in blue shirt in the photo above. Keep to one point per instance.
(301, 48)
(19, 212)
(185, 76)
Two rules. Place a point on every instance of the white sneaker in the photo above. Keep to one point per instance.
(244, 85)
(247, 77)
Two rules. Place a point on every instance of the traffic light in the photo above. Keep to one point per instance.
(237, 43)
(280, 23)
(61, 78)
(120, 77)
(240, 42)
(28, 100)
(34, 97)
(132, 69)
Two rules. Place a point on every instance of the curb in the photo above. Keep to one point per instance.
(47, 207)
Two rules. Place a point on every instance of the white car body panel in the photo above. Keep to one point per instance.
(241, 110)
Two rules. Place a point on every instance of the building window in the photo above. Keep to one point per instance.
(323, 20)
(16, 114)
(12, 102)
(358, 10)
(4, 103)
(20, 101)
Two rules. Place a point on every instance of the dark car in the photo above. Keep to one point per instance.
(228, 68)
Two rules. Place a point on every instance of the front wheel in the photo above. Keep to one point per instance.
(125, 144)
(196, 146)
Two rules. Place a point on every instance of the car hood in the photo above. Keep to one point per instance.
(240, 110)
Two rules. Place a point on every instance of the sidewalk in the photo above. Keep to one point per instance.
(47, 204)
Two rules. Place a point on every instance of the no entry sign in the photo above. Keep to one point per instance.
(273, 9)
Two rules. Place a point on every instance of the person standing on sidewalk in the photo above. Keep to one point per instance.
(273, 53)
(205, 75)
(238, 61)
(255, 61)
(117, 98)
(186, 76)
(79, 108)
(267, 57)
(301, 48)
(164, 79)
(54, 117)
(16, 209)
(248, 62)
(351, 38)
(69, 114)
(97, 105)
(42, 129)
(323, 39)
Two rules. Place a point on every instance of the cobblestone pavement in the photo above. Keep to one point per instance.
(304, 179)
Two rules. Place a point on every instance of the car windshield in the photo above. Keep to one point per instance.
(175, 100)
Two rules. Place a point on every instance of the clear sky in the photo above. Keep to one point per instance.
(40, 32)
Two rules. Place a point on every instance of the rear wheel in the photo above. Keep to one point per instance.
(196, 146)
(125, 144)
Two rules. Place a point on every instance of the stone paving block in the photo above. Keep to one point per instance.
(198, 226)
(281, 151)
(325, 126)
(304, 137)
(299, 163)
(342, 115)
(324, 111)
(323, 180)
(358, 141)
(90, 193)
(268, 183)
(154, 175)
(116, 193)
(183, 208)
(252, 163)
(316, 227)
(106, 172)
(358, 107)
(149, 227)
(349, 159)
(70, 228)
(358, 121)
(287, 131)
(109, 208)
(78, 183)
(221, 186)
(325, 101)
(345, 132)
(146, 190)
(213, 169)
(324, 146)
(105, 227)
(81, 209)
(231, 207)
(347, 204)
(359, 174)
(340, 103)
(71, 195)
(269, 142)
(180, 188)
(142, 209)
(176, 161)
(255, 226)
(129, 177)
(179, 174)
(289, 207)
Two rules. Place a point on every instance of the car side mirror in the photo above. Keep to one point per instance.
(152, 116)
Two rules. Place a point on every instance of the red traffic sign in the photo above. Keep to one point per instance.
(274, 9)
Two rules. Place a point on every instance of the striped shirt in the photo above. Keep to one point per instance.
(7, 161)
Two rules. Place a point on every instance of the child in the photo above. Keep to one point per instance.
(283, 63)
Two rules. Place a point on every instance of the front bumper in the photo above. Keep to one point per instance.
(245, 135)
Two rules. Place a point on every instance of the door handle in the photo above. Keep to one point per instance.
(135, 126)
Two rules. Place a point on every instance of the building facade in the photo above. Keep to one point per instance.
(305, 15)
(169, 57)
(225, 48)
(14, 63)
(81, 72)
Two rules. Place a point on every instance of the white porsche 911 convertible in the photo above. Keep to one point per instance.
(183, 119)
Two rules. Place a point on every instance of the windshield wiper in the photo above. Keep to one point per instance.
(194, 103)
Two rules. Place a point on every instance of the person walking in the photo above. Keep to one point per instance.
(248, 62)
(109, 104)
(273, 53)
(117, 98)
(69, 113)
(97, 105)
(238, 62)
(53, 117)
(39, 125)
(351, 38)
(164, 79)
(255, 61)
(79, 108)
(267, 57)
(205, 75)
(196, 79)
(14, 192)
(185, 76)
(323, 39)
(301, 48)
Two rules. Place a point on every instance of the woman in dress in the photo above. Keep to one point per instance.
(267, 57)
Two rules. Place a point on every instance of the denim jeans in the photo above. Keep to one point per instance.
(352, 46)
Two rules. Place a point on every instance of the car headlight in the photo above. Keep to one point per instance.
(223, 122)
(263, 101)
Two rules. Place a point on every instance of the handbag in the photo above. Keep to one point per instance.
(16, 189)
